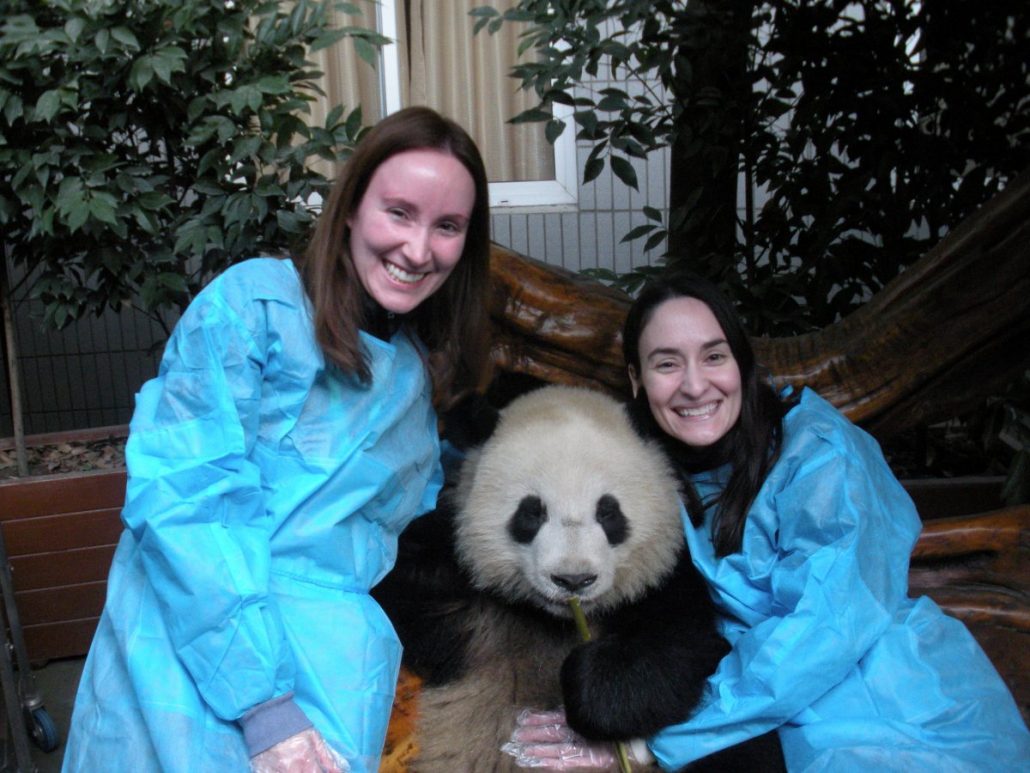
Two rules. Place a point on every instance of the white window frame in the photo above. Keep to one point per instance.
(558, 193)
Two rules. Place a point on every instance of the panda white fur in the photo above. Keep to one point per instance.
(563, 499)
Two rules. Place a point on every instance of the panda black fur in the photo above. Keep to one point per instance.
(563, 499)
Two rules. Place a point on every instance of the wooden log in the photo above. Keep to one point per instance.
(935, 341)
(975, 568)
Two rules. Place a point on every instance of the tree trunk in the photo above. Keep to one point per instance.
(13, 373)
(703, 157)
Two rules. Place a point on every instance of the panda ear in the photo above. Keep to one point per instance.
(470, 422)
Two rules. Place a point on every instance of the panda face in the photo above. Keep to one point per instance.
(570, 554)
(566, 500)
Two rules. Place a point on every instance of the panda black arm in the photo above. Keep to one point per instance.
(649, 666)
(427, 597)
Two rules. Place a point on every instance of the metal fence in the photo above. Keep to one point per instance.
(84, 376)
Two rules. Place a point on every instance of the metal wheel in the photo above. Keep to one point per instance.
(43, 730)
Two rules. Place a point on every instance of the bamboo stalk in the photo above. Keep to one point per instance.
(584, 634)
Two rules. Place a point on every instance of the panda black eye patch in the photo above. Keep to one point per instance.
(527, 520)
(612, 519)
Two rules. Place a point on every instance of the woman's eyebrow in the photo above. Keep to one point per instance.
(663, 351)
(714, 342)
(398, 200)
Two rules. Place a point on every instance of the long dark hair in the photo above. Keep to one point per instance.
(753, 443)
(452, 322)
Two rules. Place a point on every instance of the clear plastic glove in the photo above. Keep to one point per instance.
(305, 752)
(544, 741)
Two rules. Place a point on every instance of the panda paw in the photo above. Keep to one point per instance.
(611, 693)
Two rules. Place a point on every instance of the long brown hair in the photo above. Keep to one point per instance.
(452, 323)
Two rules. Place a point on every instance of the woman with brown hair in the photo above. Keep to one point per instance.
(288, 438)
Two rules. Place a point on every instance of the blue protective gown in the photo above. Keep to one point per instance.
(266, 493)
(826, 644)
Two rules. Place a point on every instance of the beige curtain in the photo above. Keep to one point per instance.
(466, 78)
(463, 76)
(347, 79)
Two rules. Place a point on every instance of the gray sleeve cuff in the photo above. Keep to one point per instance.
(273, 721)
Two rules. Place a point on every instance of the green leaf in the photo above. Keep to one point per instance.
(624, 170)
(366, 51)
(174, 282)
(592, 169)
(47, 105)
(73, 28)
(145, 221)
(246, 96)
(655, 239)
(652, 214)
(208, 188)
(327, 39)
(13, 109)
(612, 103)
(288, 221)
(167, 60)
(141, 74)
(70, 193)
(154, 200)
(245, 147)
(636, 233)
(76, 216)
(268, 188)
(553, 130)
(273, 84)
(126, 37)
(21, 176)
(532, 115)
(588, 120)
(101, 209)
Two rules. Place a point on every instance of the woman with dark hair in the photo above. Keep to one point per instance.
(804, 536)
(288, 438)
(751, 444)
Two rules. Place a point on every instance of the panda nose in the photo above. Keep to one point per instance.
(573, 582)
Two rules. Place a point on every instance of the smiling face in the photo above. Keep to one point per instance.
(688, 372)
(408, 233)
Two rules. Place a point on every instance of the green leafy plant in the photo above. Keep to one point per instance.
(145, 145)
(868, 126)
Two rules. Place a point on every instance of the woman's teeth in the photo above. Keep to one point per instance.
(401, 275)
(703, 410)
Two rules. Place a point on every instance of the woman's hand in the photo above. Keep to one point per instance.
(543, 740)
(305, 752)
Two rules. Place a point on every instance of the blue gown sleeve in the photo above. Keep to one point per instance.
(826, 553)
(194, 504)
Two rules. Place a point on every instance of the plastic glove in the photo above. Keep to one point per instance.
(543, 740)
(305, 752)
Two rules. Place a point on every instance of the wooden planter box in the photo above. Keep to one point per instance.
(60, 532)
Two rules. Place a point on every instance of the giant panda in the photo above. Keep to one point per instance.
(562, 498)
